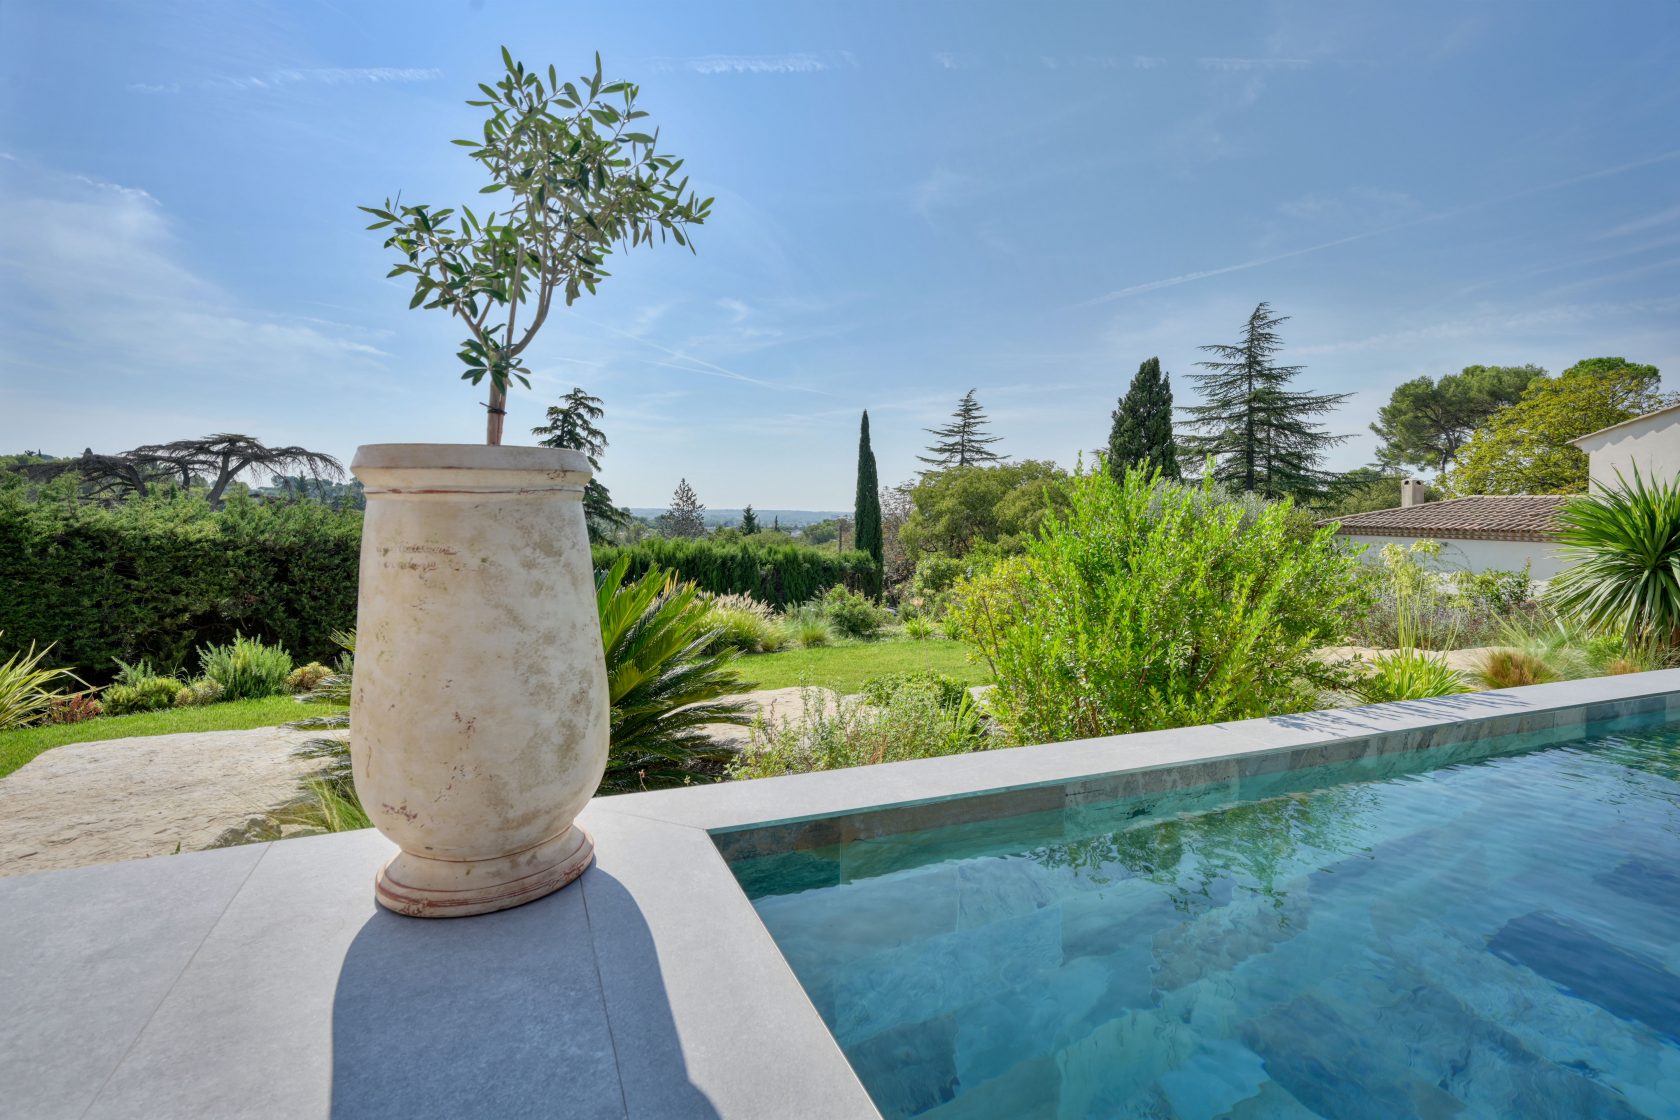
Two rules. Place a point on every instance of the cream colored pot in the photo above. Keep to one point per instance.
(478, 725)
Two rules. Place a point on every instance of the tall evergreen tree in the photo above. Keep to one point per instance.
(963, 442)
(1143, 425)
(571, 424)
(749, 521)
(1258, 430)
(686, 517)
(866, 513)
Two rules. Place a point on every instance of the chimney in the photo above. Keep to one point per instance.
(1411, 492)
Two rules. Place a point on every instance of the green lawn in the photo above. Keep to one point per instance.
(18, 747)
(845, 666)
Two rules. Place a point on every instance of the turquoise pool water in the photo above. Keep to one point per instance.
(1491, 938)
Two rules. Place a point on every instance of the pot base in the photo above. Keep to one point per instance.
(440, 888)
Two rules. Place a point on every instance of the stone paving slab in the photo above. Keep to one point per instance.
(153, 795)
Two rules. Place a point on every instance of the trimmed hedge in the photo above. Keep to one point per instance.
(158, 578)
(782, 575)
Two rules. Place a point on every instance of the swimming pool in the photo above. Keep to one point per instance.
(1433, 933)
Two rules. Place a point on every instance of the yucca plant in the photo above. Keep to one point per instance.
(663, 685)
(27, 690)
(1625, 546)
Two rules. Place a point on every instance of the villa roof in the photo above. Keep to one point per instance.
(1483, 517)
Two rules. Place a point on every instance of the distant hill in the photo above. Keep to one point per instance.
(790, 518)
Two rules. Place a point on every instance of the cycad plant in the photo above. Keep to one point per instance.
(663, 685)
(1625, 546)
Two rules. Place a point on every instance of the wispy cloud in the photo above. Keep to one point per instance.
(954, 60)
(1147, 62)
(1640, 225)
(101, 292)
(1494, 323)
(1243, 65)
(1441, 215)
(681, 360)
(797, 62)
(278, 79)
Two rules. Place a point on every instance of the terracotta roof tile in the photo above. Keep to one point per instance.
(1492, 517)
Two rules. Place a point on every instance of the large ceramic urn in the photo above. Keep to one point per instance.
(479, 720)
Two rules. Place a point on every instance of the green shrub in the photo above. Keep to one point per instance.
(148, 695)
(27, 691)
(246, 668)
(1624, 544)
(744, 631)
(158, 578)
(1151, 605)
(1498, 590)
(828, 736)
(918, 628)
(200, 692)
(948, 691)
(851, 614)
(807, 627)
(778, 573)
(305, 677)
(1409, 674)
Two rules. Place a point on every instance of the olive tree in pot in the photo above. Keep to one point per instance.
(480, 710)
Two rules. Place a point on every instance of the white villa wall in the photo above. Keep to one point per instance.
(1477, 556)
(1652, 443)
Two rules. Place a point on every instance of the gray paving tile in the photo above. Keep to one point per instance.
(307, 1000)
(706, 1015)
(88, 956)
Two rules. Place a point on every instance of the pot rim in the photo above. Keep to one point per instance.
(469, 457)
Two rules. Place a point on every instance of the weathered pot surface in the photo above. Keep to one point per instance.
(479, 715)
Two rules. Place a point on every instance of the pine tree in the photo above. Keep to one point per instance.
(1258, 431)
(749, 522)
(1143, 426)
(963, 442)
(571, 424)
(686, 517)
(867, 508)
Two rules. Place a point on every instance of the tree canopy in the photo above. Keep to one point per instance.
(1259, 432)
(959, 510)
(964, 442)
(579, 177)
(1426, 422)
(1524, 448)
(1142, 431)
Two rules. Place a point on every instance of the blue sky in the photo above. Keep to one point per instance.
(912, 200)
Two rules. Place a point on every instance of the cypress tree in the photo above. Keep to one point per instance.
(749, 521)
(1143, 427)
(964, 441)
(1258, 431)
(866, 513)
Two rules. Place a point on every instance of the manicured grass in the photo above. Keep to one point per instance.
(18, 747)
(845, 666)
